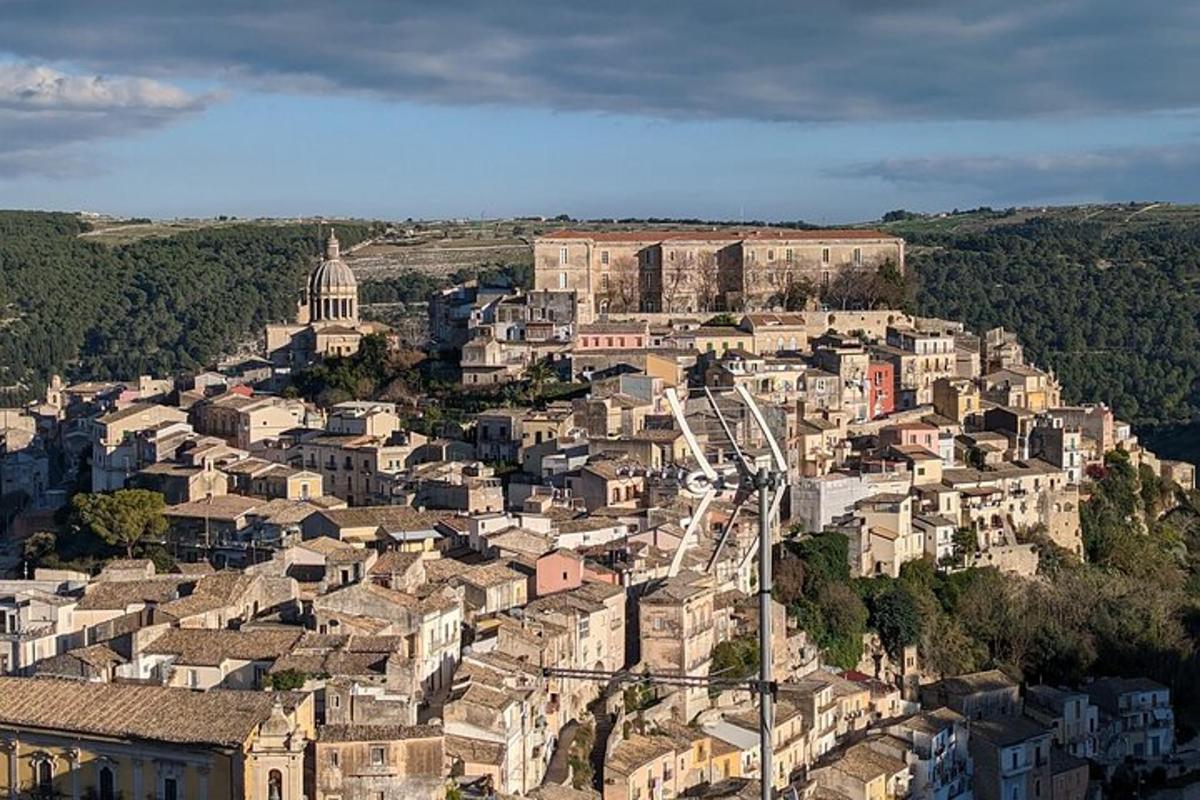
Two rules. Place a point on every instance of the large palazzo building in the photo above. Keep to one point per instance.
(712, 270)
(327, 322)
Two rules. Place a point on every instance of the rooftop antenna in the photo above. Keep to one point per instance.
(767, 479)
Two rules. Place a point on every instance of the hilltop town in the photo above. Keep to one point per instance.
(221, 585)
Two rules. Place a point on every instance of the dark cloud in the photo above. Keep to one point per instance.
(821, 60)
(1157, 173)
(45, 114)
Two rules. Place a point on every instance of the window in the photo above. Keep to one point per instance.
(334, 758)
(604, 282)
(770, 255)
(377, 756)
(604, 257)
(787, 255)
(562, 255)
(824, 255)
(45, 773)
(274, 785)
(858, 256)
(107, 784)
(170, 789)
(562, 280)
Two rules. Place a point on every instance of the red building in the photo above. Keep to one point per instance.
(880, 399)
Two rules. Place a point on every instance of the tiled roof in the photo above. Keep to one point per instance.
(376, 733)
(157, 713)
(862, 762)
(389, 518)
(203, 647)
(637, 751)
(474, 751)
(118, 595)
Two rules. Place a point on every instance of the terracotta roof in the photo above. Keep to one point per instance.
(317, 653)
(157, 713)
(119, 595)
(393, 561)
(474, 751)
(862, 762)
(637, 751)
(376, 733)
(226, 507)
(487, 575)
(389, 518)
(204, 647)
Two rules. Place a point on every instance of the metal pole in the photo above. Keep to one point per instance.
(762, 482)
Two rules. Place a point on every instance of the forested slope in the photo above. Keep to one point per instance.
(1112, 308)
(152, 306)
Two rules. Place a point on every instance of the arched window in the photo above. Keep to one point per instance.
(107, 784)
(45, 773)
(275, 785)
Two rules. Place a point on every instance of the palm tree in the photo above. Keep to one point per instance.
(539, 373)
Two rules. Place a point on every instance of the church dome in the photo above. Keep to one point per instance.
(332, 275)
(332, 289)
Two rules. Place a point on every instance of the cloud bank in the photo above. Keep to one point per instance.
(819, 61)
(44, 113)
(1150, 173)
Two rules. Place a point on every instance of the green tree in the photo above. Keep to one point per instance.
(38, 546)
(123, 518)
(844, 621)
(287, 680)
(735, 659)
(538, 374)
(894, 615)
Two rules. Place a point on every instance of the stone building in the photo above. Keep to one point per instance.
(363, 762)
(66, 738)
(327, 316)
(677, 633)
(710, 270)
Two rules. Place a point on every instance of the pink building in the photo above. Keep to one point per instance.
(558, 571)
(910, 433)
(613, 336)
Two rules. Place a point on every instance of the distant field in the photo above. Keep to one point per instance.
(438, 257)
(1118, 215)
(114, 233)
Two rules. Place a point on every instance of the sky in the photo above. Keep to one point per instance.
(820, 110)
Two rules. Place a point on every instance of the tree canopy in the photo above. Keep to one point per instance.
(160, 305)
(123, 518)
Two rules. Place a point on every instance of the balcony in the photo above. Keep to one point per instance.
(27, 634)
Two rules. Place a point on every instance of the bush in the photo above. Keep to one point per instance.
(287, 680)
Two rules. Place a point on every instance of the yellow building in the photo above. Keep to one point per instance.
(76, 739)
